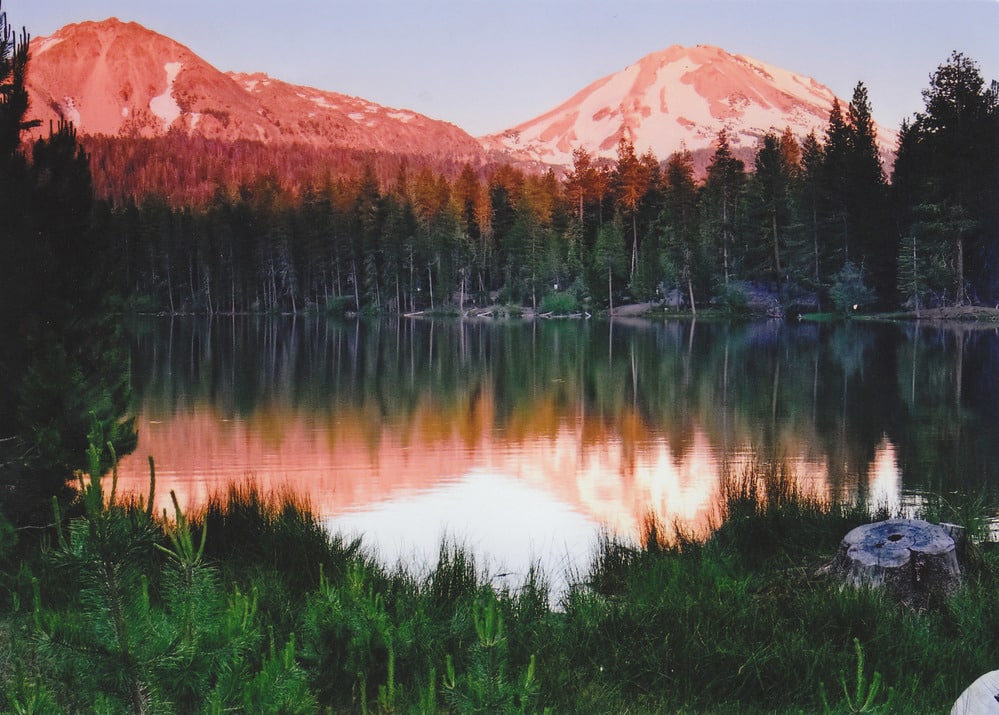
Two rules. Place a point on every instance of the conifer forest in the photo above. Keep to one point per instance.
(223, 229)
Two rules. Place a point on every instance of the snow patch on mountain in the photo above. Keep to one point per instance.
(324, 103)
(404, 117)
(72, 112)
(165, 105)
(47, 44)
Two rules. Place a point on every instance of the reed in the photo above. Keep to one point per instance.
(739, 620)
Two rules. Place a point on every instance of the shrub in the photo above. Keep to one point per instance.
(338, 305)
(733, 298)
(563, 303)
(849, 292)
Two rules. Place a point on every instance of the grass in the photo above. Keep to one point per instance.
(739, 621)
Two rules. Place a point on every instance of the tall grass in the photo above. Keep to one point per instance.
(739, 620)
(743, 620)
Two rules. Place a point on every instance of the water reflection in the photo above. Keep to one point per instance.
(584, 423)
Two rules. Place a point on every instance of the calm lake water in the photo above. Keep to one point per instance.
(522, 440)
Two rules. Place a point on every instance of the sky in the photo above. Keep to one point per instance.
(488, 66)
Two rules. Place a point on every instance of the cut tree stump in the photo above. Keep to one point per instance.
(914, 561)
(981, 697)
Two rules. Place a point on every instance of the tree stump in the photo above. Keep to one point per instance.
(981, 697)
(914, 561)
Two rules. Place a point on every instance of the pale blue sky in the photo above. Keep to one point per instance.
(487, 66)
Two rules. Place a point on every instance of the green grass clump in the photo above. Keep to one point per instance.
(250, 605)
(564, 303)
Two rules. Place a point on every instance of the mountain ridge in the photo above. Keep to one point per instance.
(679, 97)
(121, 79)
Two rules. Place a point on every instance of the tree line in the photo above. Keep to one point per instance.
(813, 223)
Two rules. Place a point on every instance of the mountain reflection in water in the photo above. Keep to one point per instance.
(524, 439)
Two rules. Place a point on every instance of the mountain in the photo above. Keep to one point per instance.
(681, 96)
(121, 79)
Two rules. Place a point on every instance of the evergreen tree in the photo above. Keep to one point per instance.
(468, 193)
(505, 187)
(13, 99)
(630, 183)
(647, 275)
(679, 225)
(836, 150)
(867, 196)
(151, 629)
(946, 174)
(368, 246)
(809, 206)
(398, 231)
(13, 189)
(723, 187)
(610, 258)
(580, 182)
(849, 291)
(62, 361)
(800, 249)
(770, 201)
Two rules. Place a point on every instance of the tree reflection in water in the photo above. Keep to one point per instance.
(603, 421)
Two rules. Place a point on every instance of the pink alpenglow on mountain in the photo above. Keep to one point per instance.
(679, 97)
(121, 79)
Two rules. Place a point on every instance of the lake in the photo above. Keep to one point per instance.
(524, 439)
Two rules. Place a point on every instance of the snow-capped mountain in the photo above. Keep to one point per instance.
(679, 97)
(121, 79)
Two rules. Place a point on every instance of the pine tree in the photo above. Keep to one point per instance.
(150, 627)
(610, 258)
(771, 204)
(13, 94)
(867, 188)
(679, 224)
(61, 358)
(947, 169)
(630, 183)
(723, 186)
(810, 208)
(13, 189)
(836, 149)
(647, 275)
(580, 182)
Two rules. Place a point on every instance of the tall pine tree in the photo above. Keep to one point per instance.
(683, 251)
(62, 359)
(726, 177)
(946, 178)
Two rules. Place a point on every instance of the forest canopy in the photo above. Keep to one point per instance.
(812, 222)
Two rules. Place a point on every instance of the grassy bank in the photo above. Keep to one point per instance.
(249, 606)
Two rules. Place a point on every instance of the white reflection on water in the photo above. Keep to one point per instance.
(522, 442)
(513, 501)
(884, 479)
(508, 525)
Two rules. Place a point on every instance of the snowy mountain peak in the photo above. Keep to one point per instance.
(121, 79)
(677, 97)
